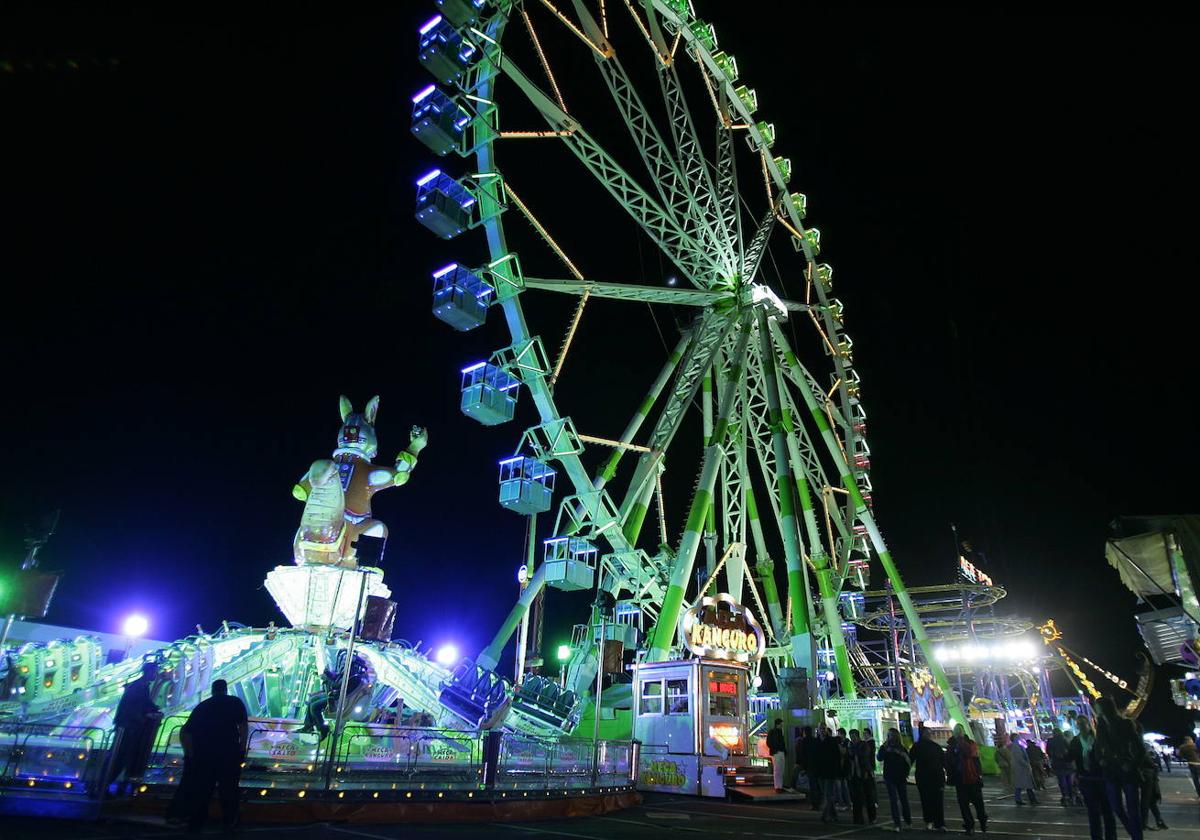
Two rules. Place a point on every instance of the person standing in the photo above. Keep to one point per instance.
(1166, 760)
(896, 764)
(808, 757)
(1022, 774)
(929, 759)
(1151, 792)
(135, 723)
(1037, 763)
(829, 766)
(1060, 762)
(1003, 762)
(778, 750)
(843, 786)
(1122, 758)
(862, 777)
(214, 745)
(1189, 755)
(965, 772)
(1090, 778)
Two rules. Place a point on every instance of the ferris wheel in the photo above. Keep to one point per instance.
(640, 102)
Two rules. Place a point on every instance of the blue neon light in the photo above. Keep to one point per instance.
(428, 176)
(421, 94)
(444, 270)
(429, 24)
(474, 367)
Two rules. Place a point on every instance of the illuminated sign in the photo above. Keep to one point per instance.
(728, 735)
(972, 573)
(721, 628)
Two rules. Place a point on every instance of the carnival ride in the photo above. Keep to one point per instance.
(778, 423)
(765, 377)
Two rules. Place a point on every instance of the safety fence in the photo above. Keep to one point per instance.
(281, 760)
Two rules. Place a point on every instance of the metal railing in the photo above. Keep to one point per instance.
(63, 758)
(375, 757)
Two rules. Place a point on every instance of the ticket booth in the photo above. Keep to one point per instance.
(691, 714)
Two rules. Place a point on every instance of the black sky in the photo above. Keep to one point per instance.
(208, 235)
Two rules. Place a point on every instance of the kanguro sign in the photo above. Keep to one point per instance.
(721, 628)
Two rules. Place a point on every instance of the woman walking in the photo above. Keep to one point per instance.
(896, 765)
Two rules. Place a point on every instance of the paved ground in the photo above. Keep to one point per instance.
(686, 816)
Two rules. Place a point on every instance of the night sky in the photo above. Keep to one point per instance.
(208, 236)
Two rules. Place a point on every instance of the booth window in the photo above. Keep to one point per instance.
(652, 698)
(722, 695)
(677, 697)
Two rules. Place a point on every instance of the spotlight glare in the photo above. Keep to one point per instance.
(135, 626)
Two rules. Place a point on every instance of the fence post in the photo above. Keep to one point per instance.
(491, 758)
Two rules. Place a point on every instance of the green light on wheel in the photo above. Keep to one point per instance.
(564, 653)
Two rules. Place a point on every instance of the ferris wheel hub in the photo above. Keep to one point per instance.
(761, 295)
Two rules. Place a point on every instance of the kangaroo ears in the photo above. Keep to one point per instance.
(345, 407)
(371, 410)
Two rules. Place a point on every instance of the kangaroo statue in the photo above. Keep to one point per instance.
(337, 492)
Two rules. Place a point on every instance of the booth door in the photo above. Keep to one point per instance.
(723, 722)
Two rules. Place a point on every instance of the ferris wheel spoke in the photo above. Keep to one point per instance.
(953, 704)
(726, 179)
(783, 486)
(695, 168)
(662, 637)
(708, 335)
(635, 423)
(662, 227)
(665, 171)
(631, 292)
(758, 246)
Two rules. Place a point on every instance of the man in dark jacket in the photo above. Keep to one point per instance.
(808, 759)
(929, 759)
(214, 745)
(778, 750)
(136, 722)
(829, 770)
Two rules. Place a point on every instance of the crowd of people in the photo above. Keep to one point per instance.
(1107, 768)
(838, 768)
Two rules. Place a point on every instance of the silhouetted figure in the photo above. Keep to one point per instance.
(1022, 772)
(862, 776)
(1151, 793)
(896, 765)
(1090, 778)
(326, 699)
(1037, 764)
(1189, 755)
(964, 771)
(829, 769)
(136, 723)
(929, 759)
(214, 747)
(1058, 749)
(1123, 759)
